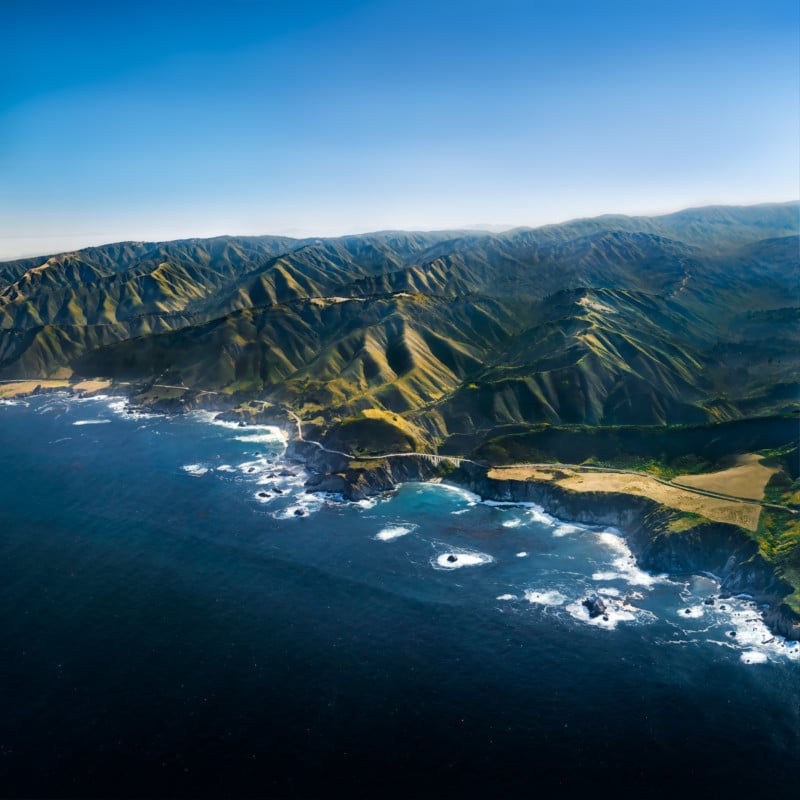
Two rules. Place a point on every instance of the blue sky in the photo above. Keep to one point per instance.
(165, 120)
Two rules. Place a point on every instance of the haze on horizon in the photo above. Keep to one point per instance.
(155, 121)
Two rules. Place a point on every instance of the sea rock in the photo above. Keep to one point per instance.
(594, 603)
(725, 551)
(333, 484)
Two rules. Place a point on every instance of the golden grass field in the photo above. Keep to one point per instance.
(23, 388)
(747, 479)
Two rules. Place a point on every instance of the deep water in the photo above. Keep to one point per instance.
(167, 631)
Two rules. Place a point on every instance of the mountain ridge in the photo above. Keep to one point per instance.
(606, 320)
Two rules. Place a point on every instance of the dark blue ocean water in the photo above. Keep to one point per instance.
(166, 631)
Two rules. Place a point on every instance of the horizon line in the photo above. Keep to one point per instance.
(475, 228)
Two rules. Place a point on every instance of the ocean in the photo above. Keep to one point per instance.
(179, 618)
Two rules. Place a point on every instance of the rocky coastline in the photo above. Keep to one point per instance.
(724, 551)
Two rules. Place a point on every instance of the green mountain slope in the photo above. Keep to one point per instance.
(685, 318)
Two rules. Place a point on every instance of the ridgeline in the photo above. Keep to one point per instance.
(668, 345)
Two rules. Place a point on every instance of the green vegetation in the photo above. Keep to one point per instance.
(367, 464)
(664, 451)
(374, 432)
(661, 344)
(682, 319)
(778, 538)
(684, 521)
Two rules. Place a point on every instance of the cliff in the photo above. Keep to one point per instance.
(725, 551)
(354, 479)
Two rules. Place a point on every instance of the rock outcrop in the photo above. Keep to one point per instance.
(724, 551)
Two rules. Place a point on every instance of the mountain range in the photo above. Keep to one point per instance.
(686, 318)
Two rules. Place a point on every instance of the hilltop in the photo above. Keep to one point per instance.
(685, 318)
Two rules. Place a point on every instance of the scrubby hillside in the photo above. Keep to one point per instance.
(686, 318)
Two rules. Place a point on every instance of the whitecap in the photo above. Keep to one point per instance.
(510, 523)
(565, 530)
(91, 421)
(195, 469)
(257, 467)
(266, 475)
(546, 598)
(394, 532)
(533, 510)
(336, 499)
(606, 575)
(609, 620)
(456, 559)
(522, 554)
(470, 497)
(506, 597)
(209, 417)
(692, 612)
(121, 407)
(608, 591)
(751, 632)
(624, 566)
(754, 657)
(367, 502)
(540, 515)
(304, 506)
(226, 468)
(262, 438)
(613, 541)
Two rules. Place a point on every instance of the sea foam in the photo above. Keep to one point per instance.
(613, 615)
(624, 565)
(549, 597)
(394, 532)
(198, 470)
(470, 497)
(262, 438)
(456, 559)
(270, 432)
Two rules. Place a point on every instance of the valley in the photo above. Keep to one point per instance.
(667, 346)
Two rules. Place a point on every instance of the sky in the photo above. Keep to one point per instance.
(162, 120)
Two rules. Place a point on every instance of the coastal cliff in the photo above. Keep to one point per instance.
(724, 551)
(355, 479)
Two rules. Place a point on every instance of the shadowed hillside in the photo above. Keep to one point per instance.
(681, 319)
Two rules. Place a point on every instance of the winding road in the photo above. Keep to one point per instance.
(458, 461)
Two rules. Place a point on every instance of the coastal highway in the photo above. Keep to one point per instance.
(458, 461)
(437, 459)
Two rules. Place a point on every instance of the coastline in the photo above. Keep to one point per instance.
(722, 550)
